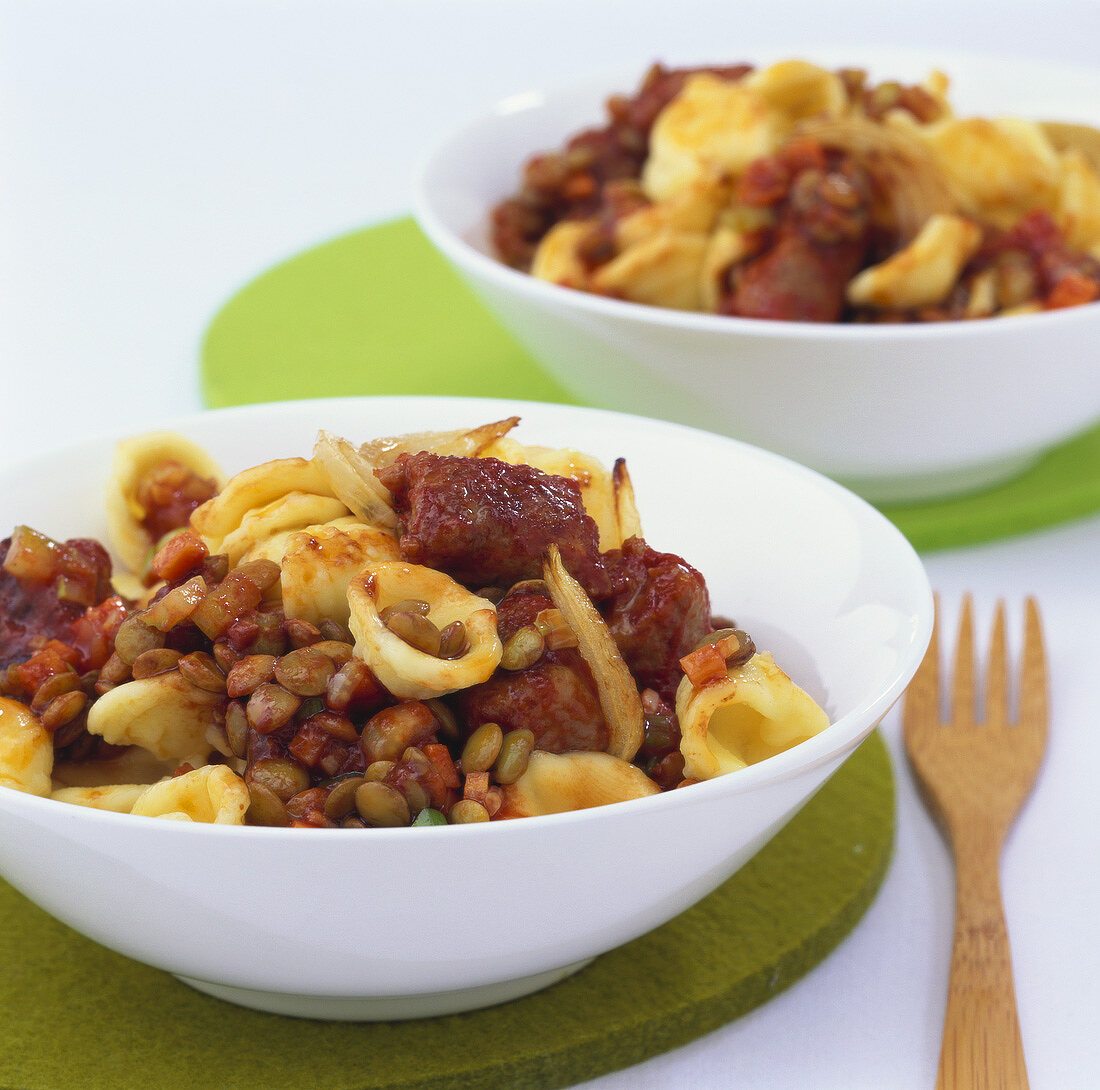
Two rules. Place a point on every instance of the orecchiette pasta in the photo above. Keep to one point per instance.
(118, 797)
(1078, 203)
(557, 782)
(165, 714)
(922, 272)
(558, 258)
(212, 794)
(754, 712)
(319, 563)
(713, 127)
(386, 634)
(997, 169)
(253, 490)
(665, 269)
(797, 89)
(26, 750)
(292, 511)
(158, 469)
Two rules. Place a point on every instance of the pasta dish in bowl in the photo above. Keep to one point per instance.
(354, 667)
(793, 192)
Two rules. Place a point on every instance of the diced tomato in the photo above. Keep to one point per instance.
(94, 633)
(178, 556)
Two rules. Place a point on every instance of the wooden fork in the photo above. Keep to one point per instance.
(975, 775)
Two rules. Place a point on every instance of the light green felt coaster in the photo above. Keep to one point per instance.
(372, 313)
(381, 312)
(77, 1015)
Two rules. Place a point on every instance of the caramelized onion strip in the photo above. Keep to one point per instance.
(909, 182)
(619, 699)
(352, 478)
(626, 510)
(462, 443)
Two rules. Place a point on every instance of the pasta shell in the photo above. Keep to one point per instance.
(1078, 207)
(319, 563)
(924, 271)
(555, 783)
(997, 169)
(663, 270)
(798, 89)
(119, 797)
(693, 210)
(403, 669)
(133, 765)
(253, 489)
(212, 794)
(26, 750)
(713, 126)
(752, 713)
(557, 257)
(164, 714)
(291, 511)
(133, 459)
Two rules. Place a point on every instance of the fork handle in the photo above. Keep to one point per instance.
(981, 1034)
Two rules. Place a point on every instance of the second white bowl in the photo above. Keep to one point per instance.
(895, 412)
(392, 923)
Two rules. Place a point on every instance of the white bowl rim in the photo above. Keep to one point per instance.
(839, 735)
(434, 225)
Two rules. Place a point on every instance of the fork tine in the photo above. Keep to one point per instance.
(922, 699)
(962, 692)
(1034, 711)
(996, 685)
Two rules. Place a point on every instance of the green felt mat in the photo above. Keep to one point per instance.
(78, 1015)
(381, 312)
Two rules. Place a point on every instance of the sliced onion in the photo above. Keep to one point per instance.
(626, 510)
(619, 699)
(908, 180)
(351, 475)
(462, 443)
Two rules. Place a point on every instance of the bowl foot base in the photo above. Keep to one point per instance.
(383, 1008)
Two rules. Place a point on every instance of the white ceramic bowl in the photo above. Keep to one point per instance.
(896, 412)
(392, 923)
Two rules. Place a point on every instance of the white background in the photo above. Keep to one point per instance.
(155, 157)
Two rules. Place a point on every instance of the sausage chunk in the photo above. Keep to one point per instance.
(555, 698)
(823, 232)
(659, 613)
(483, 521)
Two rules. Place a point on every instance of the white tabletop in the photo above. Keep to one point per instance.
(155, 157)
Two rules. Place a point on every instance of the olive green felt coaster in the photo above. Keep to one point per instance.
(78, 1015)
(380, 311)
